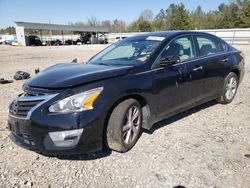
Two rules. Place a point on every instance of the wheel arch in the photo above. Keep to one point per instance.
(146, 112)
(236, 71)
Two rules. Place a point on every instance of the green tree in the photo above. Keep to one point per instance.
(178, 17)
(143, 23)
(197, 18)
(140, 25)
(244, 16)
(10, 30)
(229, 15)
(213, 20)
(160, 21)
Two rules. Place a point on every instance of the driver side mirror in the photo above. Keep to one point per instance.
(169, 61)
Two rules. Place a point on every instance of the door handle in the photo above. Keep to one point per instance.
(225, 60)
(199, 68)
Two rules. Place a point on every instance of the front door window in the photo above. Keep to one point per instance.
(182, 48)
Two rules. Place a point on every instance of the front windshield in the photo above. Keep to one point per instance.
(127, 52)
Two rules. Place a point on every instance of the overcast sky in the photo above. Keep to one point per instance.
(65, 11)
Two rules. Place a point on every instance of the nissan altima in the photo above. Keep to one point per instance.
(77, 108)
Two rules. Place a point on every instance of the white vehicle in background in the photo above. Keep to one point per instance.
(7, 37)
(102, 39)
(120, 38)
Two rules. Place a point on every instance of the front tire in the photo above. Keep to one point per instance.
(124, 126)
(229, 89)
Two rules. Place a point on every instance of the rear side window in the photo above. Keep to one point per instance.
(223, 46)
(208, 46)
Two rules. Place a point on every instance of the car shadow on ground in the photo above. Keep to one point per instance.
(91, 156)
(179, 116)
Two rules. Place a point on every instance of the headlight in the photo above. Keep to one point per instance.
(79, 102)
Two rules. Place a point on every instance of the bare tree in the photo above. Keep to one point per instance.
(107, 24)
(118, 26)
(147, 15)
(93, 21)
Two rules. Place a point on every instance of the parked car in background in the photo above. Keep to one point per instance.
(134, 83)
(12, 42)
(33, 40)
(70, 42)
(86, 38)
(56, 42)
(1, 40)
(103, 39)
(79, 42)
(6, 38)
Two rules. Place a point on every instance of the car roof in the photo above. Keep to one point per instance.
(168, 34)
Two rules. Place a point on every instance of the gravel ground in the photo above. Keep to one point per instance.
(208, 146)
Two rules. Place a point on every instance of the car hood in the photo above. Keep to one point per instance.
(68, 75)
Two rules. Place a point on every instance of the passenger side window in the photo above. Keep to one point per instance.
(181, 47)
(207, 46)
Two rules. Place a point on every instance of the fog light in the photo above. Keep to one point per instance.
(66, 138)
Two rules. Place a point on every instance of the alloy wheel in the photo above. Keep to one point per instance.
(131, 125)
(231, 88)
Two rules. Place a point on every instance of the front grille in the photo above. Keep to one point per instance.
(22, 108)
(26, 102)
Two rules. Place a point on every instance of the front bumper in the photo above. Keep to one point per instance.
(26, 133)
(32, 130)
(30, 122)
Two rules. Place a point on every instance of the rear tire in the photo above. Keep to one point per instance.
(229, 89)
(124, 126)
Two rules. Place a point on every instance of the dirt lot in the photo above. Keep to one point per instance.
(208, 146)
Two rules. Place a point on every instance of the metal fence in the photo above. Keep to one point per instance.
(232, 36)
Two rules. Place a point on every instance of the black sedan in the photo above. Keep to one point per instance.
(78, 108)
